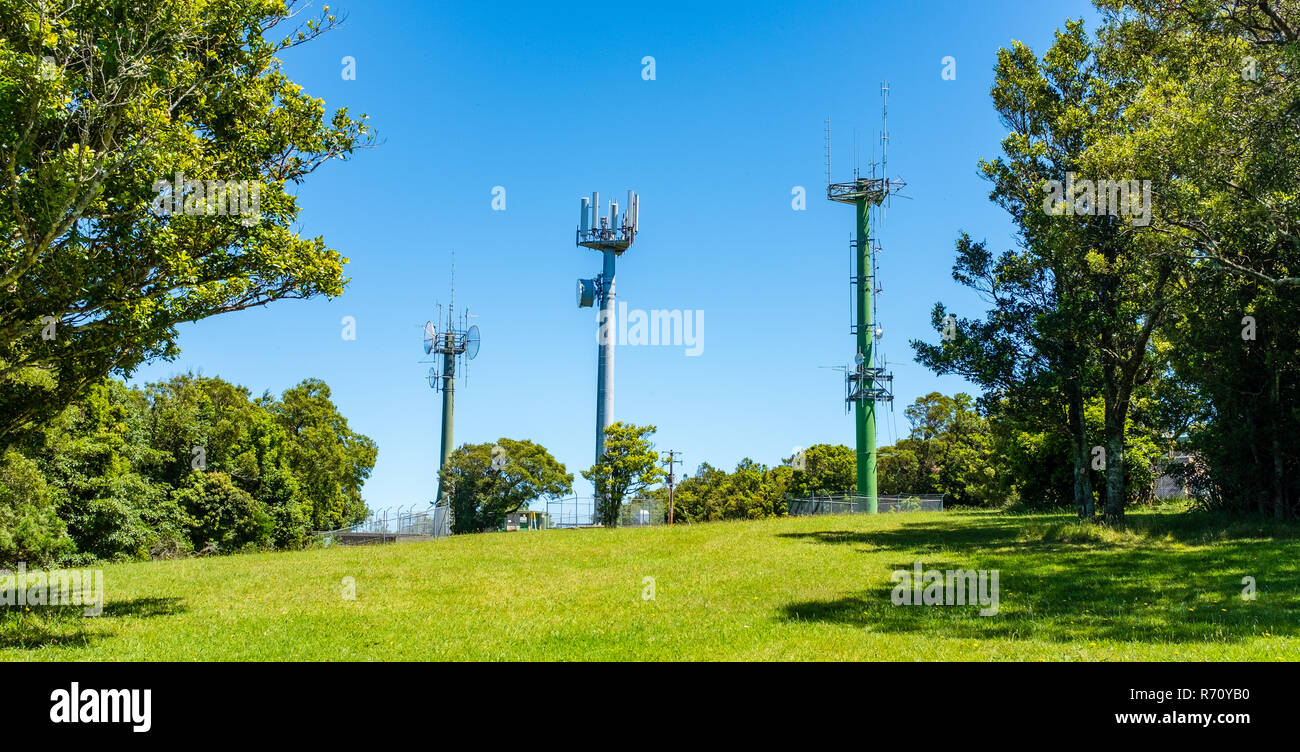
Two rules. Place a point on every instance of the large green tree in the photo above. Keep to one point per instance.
(115, 115)
(489, 481)
(330, 461)
(628, 465)
(1075, 306)
(1211, 109)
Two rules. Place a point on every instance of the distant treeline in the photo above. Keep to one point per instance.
(951, 449)
(194, 463)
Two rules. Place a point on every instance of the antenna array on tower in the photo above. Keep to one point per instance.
(614, 232)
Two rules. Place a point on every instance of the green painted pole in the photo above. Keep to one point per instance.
(448, 412)
(864, 411)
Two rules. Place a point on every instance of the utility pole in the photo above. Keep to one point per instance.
(672, 454)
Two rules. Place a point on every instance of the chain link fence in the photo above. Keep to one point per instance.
(421, 522)
(415, 522)
(580, 511)
(857, 504)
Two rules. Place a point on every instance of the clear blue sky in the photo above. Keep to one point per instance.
(549, 103)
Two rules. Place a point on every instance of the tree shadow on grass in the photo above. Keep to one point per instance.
(25, 628)
(1131, 590)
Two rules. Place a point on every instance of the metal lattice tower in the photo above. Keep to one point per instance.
(866, 384)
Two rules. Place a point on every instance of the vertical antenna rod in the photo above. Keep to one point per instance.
(884, 129)
(828, 151)
(448, 348)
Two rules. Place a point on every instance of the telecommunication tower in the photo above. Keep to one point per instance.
(865, 384)
(611, 235)
(456, 343)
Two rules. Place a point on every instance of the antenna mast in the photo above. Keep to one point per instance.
(865, 383)
(454, 345)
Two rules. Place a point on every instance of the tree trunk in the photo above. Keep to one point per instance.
(1113, 432)
(1120, 376)
(1279, 474)
(1114, 471)
(1083, 500)
(1258, 500)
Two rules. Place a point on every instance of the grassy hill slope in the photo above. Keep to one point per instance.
(801, 588)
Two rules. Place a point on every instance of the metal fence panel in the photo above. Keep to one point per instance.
(580, 511)
(853, 504)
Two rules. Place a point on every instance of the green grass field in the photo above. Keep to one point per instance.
(810, 588)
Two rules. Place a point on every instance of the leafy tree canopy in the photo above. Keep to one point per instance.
(116, 117)
(489, 481)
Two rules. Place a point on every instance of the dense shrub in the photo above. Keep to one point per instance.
(117, 461)
(30, 528)
(223, 514)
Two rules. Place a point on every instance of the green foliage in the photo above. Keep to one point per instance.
(489, 481)
(329, 459)
(1034, 464)
(1211, 116)
(223, 514)
(948, 451)
(628, 465)
(1076, 309)
(699, 497)
(824, 470)
(30, 528)
(753, 491)
(122, 463)
(123, 516)
(96, 119)
(100, 454)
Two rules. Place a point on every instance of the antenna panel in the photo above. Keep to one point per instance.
(586, 293)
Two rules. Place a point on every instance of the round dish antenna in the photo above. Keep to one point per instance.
(472, 341)
(430, 336)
